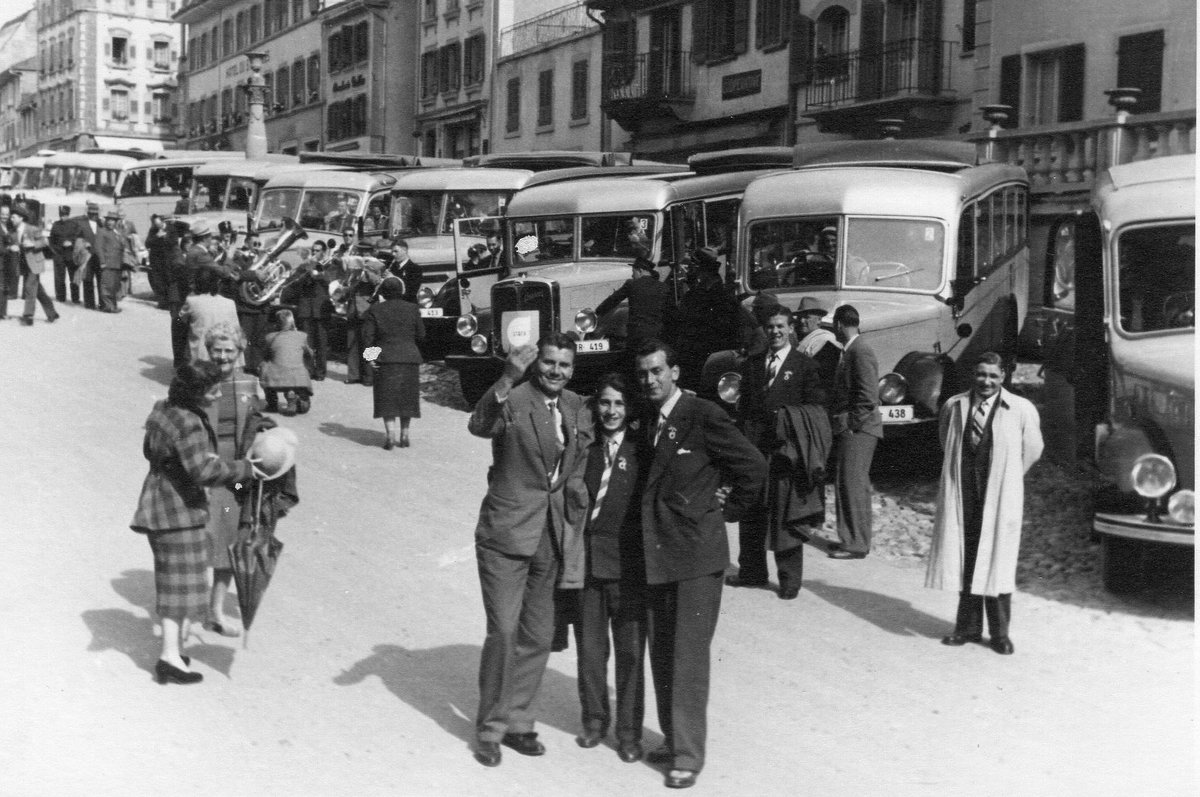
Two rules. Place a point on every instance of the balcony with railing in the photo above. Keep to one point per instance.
(846, 91)
(642, 86)
(560, 23)
(1062, 160)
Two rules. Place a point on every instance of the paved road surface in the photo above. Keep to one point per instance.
(359, 677)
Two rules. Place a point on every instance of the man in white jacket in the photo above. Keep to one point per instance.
(991, 439)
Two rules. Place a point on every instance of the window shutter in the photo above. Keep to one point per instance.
(1140, 65)
(104, 104)
(147, 108)
(800, 52)
(108, 49)
(700, 31)
(1010, 87)
(870, 44)
(1070, 97)
(741, 26)
(760, 27)
(132, 53)
(929, 49)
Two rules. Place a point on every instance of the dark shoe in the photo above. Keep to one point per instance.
(660, 755)
(303, 404)
(223, 630)
(842, 553)
(166, 673)
(736, 580)
(353, 381)
(686, 779)
(1002, 645)
(589, 739)
(289, 409)
(320, 378)
(524, 743)
(388, 445)
(51, 319)
(26, 321)
(789, 592)
(488, 754)
(956, 640)
(403, 441)
(629, 752)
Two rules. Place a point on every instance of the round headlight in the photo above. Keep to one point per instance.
(1153, 476)
(585, 320)
(1182, 507)
(479, 344)
(893, 389)
(467, 325)
(425, 297)
(729, 387)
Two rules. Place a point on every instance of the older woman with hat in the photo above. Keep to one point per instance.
(816, 341)
(173, 507)
(391, 329)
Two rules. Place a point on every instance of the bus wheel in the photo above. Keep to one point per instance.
(1122, 564)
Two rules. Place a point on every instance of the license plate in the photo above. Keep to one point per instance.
(896, 413)
(591, 345)
(431, 312)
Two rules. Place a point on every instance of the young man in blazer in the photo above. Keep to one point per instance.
(86, 228)
(779, 377)
(693, 449)
(528, 535)
(614, 587)
(857, 429)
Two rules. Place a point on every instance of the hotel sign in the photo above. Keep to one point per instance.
(741, 84)
(352, 82)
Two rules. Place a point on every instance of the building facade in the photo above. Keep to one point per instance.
(546, 86)
(371, 76)
(106, 74)
(18, 83)
(219, 35)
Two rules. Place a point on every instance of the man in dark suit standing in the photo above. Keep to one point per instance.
(86, 228)
(693, 449)
(857, 429)
(62, 244)
(10, 254)
(777, 378)
(405, 269)
(649, 301)
(314, 309)
(110, 248)
(614, 588)
(528, 535)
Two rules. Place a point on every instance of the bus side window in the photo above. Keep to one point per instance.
(966, 245)
(983, 237)
(1060, 277)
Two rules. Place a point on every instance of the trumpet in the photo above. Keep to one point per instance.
(263, 280)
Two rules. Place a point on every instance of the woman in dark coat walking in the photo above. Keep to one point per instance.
(391, 329)
(173, 510)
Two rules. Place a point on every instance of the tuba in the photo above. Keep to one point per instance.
(263, 280)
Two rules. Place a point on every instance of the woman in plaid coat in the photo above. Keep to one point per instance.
(173, 507)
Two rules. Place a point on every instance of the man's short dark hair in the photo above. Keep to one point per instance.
(652, 346)
(846, 315)
(391, 288)
(400, 242)
(556, 340)
(991, 358)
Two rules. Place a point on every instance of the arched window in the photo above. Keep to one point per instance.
(832, 44)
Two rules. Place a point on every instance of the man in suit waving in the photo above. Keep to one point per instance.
(693, 450)
(528, 536)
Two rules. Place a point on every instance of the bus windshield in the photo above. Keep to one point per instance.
(26, 178)
(417, 213)
(794, 252)
(622, 236)
(471, 205)
(331, 209)
(894, 253)
(207, 193)
(543, 239)
(277, 204)
(1157, 279)
(96, 181)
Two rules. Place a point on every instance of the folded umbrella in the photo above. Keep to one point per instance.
(253, 560)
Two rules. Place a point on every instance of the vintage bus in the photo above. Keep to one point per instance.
(228, 190)
(572, 245)
(1121, 368)
(77, 178)
(156, 185)
(929, 246)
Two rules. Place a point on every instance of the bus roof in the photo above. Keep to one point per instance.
(461, 179)
(377, 160)
(89, 160)
(918, 153)
(35, 161)
(874, 190)
(637, 194)
(332, 179)
(741, 159)
(1156, 189)
(551, 159)
(250, 168)
(196, 154)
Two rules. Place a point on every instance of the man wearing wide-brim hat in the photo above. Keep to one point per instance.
(649, 302)
(62, 244)
(816, 341)
(110, 249)
(199, 253)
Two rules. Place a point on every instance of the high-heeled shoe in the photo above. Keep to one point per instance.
(404, 441)
(167, 673)
(389, 445)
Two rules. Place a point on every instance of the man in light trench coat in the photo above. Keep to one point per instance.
(991, 439)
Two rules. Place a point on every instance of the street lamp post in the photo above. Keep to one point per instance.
(256, 94)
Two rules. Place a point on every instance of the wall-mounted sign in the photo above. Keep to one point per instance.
(741, 84)
(352, 82)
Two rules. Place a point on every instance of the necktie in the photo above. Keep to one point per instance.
(662, 421)
(558, 425)
(978, 421)
(610, 453)
(772, 368)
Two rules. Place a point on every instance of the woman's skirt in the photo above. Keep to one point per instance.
(224, 517)
(180, 581)
(398, 390)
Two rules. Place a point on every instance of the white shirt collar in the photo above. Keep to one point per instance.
(669, 405)
(782, 354)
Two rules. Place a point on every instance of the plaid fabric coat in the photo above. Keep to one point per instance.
(181, 448)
